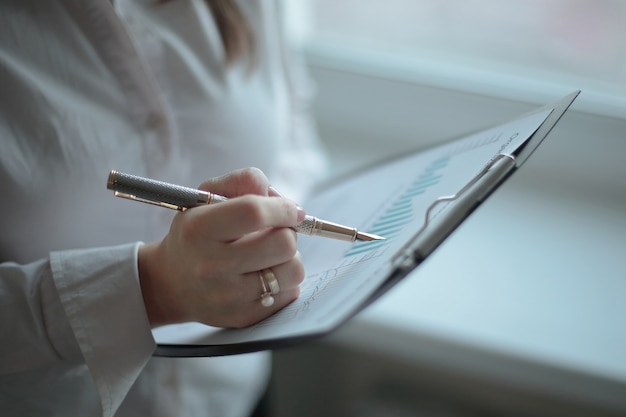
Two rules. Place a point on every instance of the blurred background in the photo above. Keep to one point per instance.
(522, 312)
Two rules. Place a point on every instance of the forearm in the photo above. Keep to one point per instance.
(34, 326)
(82, 306)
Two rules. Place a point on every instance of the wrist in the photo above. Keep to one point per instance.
(156, 297)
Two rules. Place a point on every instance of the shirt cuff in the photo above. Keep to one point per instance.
(100, 293)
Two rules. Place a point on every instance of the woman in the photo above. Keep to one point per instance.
(181, 91)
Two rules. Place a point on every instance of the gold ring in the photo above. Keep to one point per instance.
(271, 281)
(266, 296)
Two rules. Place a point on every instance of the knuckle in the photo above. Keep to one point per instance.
(254, 177)
(252, 211)
(251, 173)
(286, 242)
(190, 225)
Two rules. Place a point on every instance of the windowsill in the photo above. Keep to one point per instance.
(474, 78)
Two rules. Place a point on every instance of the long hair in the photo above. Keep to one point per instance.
(234, 30)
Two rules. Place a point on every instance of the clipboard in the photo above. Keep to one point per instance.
(442, 215)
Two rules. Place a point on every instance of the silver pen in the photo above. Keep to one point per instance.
(177, 197)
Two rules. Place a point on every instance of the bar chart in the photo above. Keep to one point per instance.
(401, 212)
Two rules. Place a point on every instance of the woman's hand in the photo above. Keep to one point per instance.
(207, 267)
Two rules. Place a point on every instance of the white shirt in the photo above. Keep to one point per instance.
(86, 88)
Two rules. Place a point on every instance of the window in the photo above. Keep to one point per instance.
(579, 43)
(394, 76)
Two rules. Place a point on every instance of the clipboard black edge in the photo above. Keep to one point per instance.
(185, 350)
(559, 108)
(194, 351)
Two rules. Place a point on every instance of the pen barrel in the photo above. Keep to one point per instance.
(315, 227)
(157, 192)
(178, 197)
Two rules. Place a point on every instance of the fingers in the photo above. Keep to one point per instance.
(256, 312)
(236, 302)
(289, 276)
(237, 217)
(264, 249)
(206, 267)
(246, 215)
(238, 183)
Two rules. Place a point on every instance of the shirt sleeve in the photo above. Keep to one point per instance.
(80, 306)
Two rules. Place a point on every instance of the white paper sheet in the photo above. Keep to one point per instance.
(390, 201)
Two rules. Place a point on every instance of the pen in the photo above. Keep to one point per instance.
(177, 197)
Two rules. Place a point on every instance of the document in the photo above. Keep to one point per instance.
(391, 200)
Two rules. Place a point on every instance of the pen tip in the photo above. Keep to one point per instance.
(368, 236)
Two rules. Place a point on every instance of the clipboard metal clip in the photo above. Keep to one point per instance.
(426, 239)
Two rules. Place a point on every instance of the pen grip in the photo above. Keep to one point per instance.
(157, 191)
(313, 226)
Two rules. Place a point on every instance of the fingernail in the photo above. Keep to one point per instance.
(273, 192)
(301, 214)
